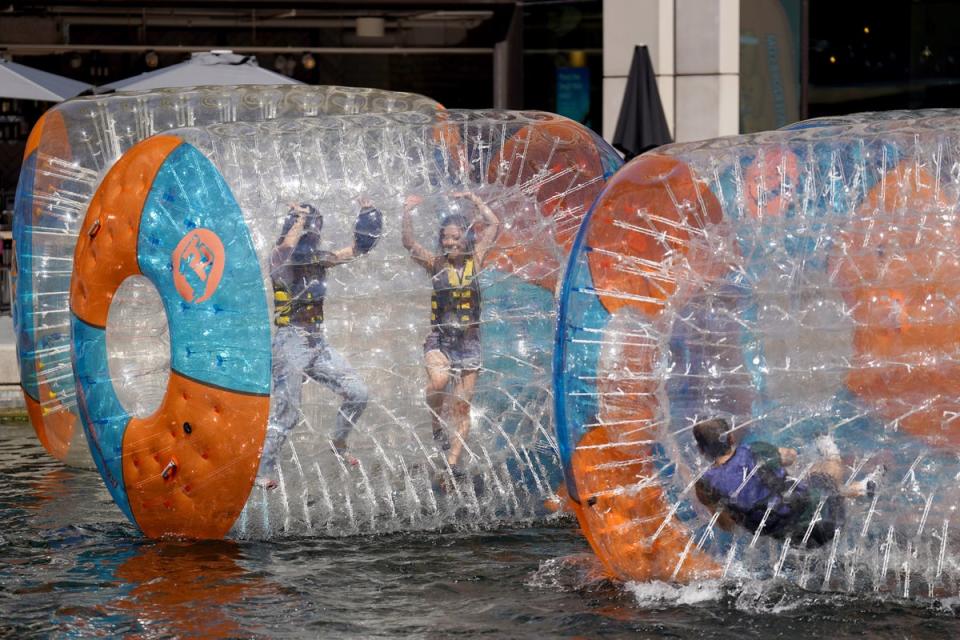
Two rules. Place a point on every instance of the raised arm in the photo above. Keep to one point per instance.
(367, 231)
(419, 254)
(491, 226)
(287, 243)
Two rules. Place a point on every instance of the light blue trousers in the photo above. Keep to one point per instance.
(297, 355)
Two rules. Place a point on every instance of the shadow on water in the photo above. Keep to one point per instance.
(70, 566)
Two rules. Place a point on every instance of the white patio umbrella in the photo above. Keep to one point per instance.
(20, 82)
(207, 68)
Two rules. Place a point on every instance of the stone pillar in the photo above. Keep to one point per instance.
(695, 48)
(508, 65)
(707, 69)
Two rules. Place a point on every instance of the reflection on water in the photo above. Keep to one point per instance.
(70, 566)
(190, 586)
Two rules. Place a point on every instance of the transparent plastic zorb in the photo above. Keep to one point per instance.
(68, 152)
(357, 312)
(885, 119)
(757, 364)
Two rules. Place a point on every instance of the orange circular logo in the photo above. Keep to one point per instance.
(198, 263)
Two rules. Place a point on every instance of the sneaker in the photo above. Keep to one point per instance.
(267, 484)
(826, 447)
(349, 459)
(441, 483)
(440, 437)
(873, 479)
(340, 449)
(447, 482)
(878, 472)
(868, 486)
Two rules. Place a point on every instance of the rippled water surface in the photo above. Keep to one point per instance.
(70, 566)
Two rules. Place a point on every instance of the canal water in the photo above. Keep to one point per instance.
(72, 567)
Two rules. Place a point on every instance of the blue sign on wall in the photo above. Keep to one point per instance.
(573, 93)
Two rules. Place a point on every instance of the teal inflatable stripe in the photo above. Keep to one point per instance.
(103, 417)
(195, 247)
(23, 301)
(576, 356)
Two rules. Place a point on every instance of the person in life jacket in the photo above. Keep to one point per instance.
(452, 352)
(749, 485)
(298, 269)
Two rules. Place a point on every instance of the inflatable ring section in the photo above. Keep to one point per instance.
(45, 378)
(69, 151)
(24, 298)
(165, 213)
(601, 411)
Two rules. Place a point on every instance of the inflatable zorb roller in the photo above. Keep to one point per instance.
(360, 318)
(875, 119)
(756, 369)
(67, 155)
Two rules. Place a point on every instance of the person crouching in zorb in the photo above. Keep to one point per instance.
(748, 485)
(298, 269)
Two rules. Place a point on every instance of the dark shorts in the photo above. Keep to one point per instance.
(461, 349)
(804, 505)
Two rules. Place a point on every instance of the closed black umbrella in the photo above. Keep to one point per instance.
(642, 124)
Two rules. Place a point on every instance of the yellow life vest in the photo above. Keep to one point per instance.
(455, 301)
(307, 311)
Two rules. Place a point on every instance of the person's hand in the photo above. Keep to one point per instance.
(298, 209)
(367, 230)
(469, 195)
(299, 223)
(411, 201)
(787, 456)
